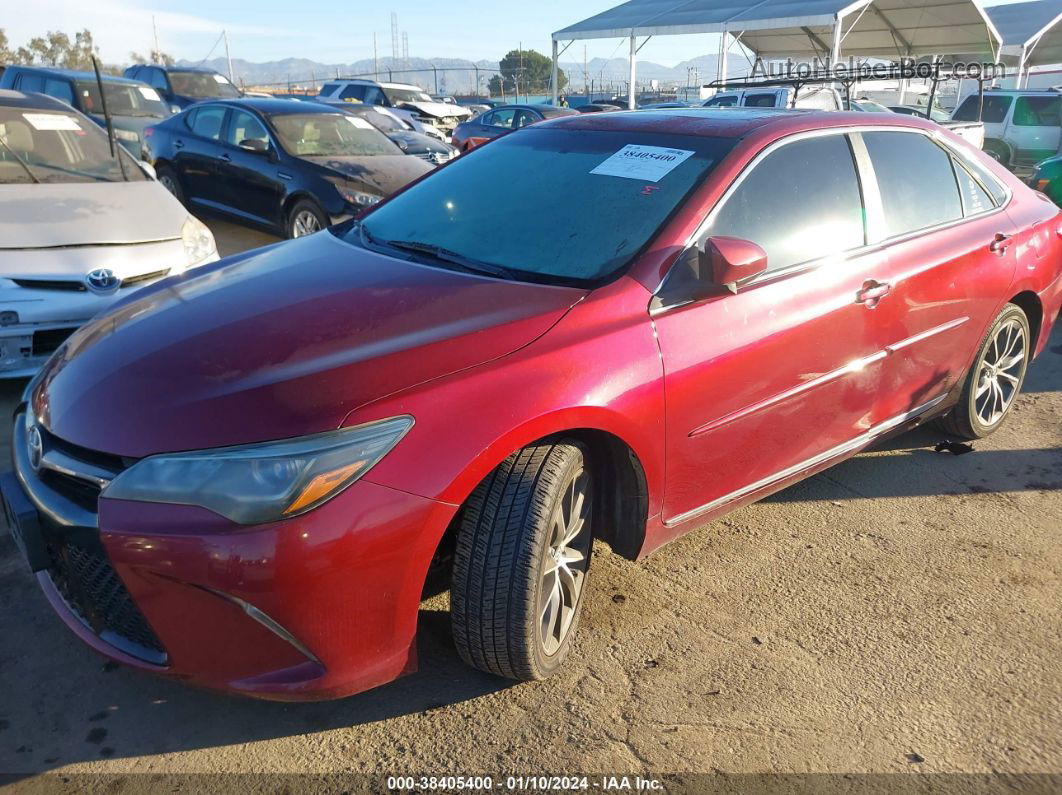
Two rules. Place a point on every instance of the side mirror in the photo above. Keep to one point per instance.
(255, 145)
(732, 260)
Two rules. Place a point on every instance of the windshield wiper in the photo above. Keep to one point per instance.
(446, 255)
(20, 161)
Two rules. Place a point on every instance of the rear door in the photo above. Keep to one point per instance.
(765, 382)
(944, 274)
(196, 146)
(1035, 128)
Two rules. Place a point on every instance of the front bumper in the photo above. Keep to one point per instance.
(44, 298)
(315, 607)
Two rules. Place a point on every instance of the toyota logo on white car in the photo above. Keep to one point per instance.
(102, 281)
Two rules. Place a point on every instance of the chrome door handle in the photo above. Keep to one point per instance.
(224, 158)
(178, 144)
(999, 243)
(872, 292)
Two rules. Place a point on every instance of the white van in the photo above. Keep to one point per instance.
(1022, 127)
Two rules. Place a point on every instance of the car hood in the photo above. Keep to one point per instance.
(439, 109)
(413, 143)
(385, 173)
(281, 342)
(53, 215)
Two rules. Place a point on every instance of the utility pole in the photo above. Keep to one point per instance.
(520, 46)
(155, 33)
(394, 36)
(586, 85)
(225, 35)
(375, 59)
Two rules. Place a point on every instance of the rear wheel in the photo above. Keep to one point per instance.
(522, 560)
(305, 218)
(993, 383)
(167, 178)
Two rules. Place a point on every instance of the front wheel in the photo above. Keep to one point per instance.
(993, 383)
(167, 178)
(305, 218)
(522, 560)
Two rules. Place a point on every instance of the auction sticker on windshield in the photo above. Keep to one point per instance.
(645, 163)
(149, 93)
(52, 121)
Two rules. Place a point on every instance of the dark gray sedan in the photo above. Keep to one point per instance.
(500, 121)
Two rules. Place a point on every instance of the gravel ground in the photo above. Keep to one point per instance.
(899, 613)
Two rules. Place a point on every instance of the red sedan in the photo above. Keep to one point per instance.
(615, 326)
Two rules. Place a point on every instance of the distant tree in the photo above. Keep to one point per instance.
(154, 56)
(526, 70)
(54, 49)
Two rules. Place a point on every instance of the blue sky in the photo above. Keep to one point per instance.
(334, 31)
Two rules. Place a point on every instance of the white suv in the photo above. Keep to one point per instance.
(441, 116)
(1022, 127)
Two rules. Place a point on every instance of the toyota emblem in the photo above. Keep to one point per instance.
(36, 448)
(102, 281)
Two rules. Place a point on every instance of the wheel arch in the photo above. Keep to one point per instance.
(1030, 304)
(622, 495)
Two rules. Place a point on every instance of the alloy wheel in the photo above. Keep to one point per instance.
(564, 566)
(1000, 373)
(305, 223)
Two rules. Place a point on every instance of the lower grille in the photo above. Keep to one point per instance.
(65, 285)
(47, 342)
(91, 588)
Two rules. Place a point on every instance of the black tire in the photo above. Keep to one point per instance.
(973, 417)
(301, 211)
(167, 177)
(505, 574)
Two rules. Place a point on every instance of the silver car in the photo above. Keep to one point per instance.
(79, 228)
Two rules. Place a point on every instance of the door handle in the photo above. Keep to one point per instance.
(178, 144)
(999, 243)
(872, 292)
(224, 157)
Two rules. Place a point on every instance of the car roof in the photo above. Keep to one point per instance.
(75, 74)
(200, 69)
(728, 122)
(18, 99)
(274, 105)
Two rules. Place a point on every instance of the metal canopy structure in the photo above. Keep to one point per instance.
(802, 29)
(1031, 33)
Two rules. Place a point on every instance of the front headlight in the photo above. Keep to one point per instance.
(198, 241)
(357, 197)
(258, 483)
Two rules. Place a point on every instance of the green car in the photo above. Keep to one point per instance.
(1047, 178)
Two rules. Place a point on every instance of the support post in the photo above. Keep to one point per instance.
(835, 45)
(553, 79)
(724, 47)
(634, 70)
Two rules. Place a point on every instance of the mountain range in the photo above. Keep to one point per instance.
(456, 75)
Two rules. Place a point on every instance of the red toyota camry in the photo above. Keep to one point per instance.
(614, 326)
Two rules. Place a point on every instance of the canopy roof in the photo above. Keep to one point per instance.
(1030, 31)
(804, 28)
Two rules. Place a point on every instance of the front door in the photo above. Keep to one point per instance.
(765, 382)
(252, 187)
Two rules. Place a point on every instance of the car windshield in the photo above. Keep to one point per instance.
(383, 121)
(330, 135)
(123, 99)
(870, 106)
(554, 206)
(398, 95)
(202, 85)
(53, 146)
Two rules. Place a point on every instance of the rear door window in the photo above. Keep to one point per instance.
(60, 89)
(1037, 111)
(208, 122)
(353, 92)
(30, 83)
(916, 181)
(724, 101)
(760, 100)
(800, 203)
(975, 199)
(995, 109)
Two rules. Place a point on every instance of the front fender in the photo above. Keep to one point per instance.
(599, 368)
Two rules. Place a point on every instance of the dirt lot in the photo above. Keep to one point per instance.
(901, 612)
